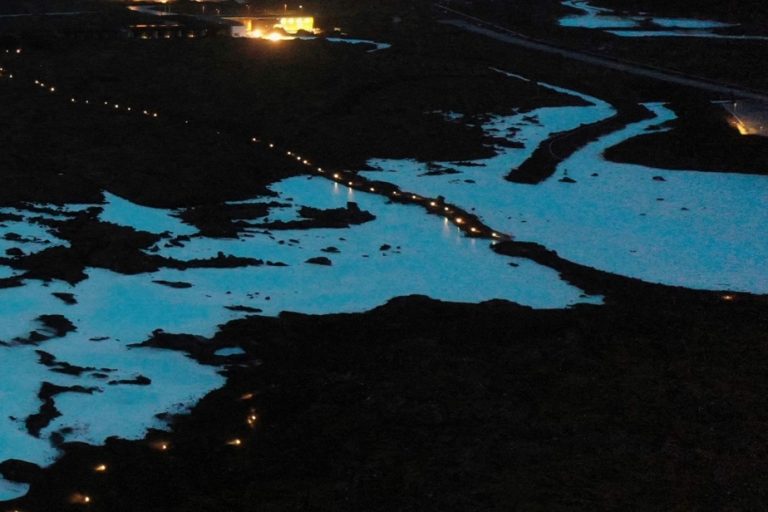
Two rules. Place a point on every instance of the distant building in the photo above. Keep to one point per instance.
(262, 26)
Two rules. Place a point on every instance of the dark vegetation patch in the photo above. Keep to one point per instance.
(701, 138)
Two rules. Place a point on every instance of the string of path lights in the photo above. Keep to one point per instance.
(465, 221)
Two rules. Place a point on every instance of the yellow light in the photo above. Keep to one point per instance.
(459, 220)
(432, 203)
(319, 169)
(288, 153)
(234, 442)
(728, 297)
(349, 183)
(274, 36)
(495, 235)
(246, 396)
(79, 499)
(336, 176)
(162, 446)
(100, 468)
(373, 189)
(474, 230)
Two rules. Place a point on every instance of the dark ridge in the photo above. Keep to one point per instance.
(320, 260)
(52, 326)
(244, 309)
(317, 218)
(173, 284)
(67, 298)
(559, 146)
(140, 380)
(49, 360)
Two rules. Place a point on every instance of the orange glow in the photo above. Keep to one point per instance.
(293, 24)
(246, 396)
(162, 446)
(79, 499)
(739, 125)
(275, 36)
(234, 442)
(101, 468)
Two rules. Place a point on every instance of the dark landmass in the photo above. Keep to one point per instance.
(650, 402)
(701, 138)
(226, 220)
(705, 57)
(303, 96)
(422, 405)
(559, 146)
(59, 152)
(741, 11)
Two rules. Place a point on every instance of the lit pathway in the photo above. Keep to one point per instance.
(467, 222)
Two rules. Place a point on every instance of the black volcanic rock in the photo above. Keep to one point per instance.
(320, 260)
(19, 470)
